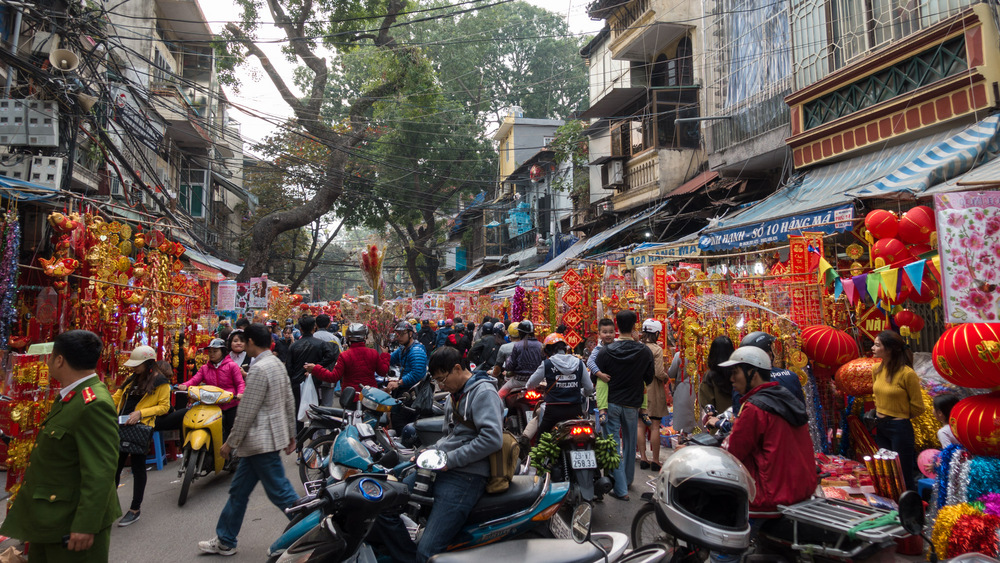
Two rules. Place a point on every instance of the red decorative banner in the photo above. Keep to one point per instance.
(660, 288)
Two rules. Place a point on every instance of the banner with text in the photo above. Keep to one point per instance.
(836, 219)
(663, 255)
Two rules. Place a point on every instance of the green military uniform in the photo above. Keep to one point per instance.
(69, 484)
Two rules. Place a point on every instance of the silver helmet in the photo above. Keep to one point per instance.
(703, 496)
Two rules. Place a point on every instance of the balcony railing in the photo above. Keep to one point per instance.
(626, 15)
(750, 120)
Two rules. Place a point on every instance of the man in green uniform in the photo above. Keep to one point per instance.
(68, 501)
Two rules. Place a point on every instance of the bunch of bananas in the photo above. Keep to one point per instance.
(545, 454)
(606, 450)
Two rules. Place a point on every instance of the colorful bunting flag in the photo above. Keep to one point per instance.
(861, 285)
(850, 290)
(915, 273)
(872, 284)
(826, 272)
(889, 280)
(838, 288)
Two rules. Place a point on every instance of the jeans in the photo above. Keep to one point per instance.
(897, 435)
(623, 426)
(265, 468)
(138, 476)
(455, 495)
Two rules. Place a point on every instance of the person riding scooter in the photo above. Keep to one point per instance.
(356, 367)
(567, 381)
(475, 424)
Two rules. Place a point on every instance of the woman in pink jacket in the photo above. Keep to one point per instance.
(220, 371)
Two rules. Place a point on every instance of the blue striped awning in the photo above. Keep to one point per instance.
(941, 162)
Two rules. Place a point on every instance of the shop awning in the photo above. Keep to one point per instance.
(649, 254)
(211, 261)
(25, 191)
(485, 281)
(696, 183)
(207, 272)
(464, 279)
(585, 245)
(823, 195)
(983, 177)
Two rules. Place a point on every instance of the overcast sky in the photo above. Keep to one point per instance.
(258, 93)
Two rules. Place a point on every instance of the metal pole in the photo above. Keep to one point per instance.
(13, 49)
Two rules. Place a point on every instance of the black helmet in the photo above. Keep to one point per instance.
(357, 332)
(500, 329)
(334, 326)
(758, 339)
(403, 325)
(525, 327)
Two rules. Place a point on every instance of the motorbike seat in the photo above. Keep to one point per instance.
(527, 551)
(431, 424)
(328, 411)
(521, 494)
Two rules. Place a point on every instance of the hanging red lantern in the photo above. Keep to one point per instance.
(909, 323)
(917, 224)
(855, 377)
(889, 251)
(828, 346)
(929, 290)
(881, 223)
(968, 355)
(976, 423)
(902, 294)
(916, 250)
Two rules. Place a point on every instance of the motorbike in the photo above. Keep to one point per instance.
(521, 409)
(341, 515)
(578, 466)
(202, 433)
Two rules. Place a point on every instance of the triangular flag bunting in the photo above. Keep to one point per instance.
(861, 285)
(889, 280)
(826, 272)
(850, 290)
(838, 288)
(936, 267)
(872, 284)
(915, 273)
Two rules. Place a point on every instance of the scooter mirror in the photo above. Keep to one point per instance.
(580, 524)
(911, 512)
(389, 460)
(433, 460)
(311, 459)
(346, 397)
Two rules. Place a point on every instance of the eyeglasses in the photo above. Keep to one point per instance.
(441, 379)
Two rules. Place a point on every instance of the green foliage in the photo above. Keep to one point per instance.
(571, 145)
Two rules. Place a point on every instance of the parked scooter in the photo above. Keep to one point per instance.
(521, 409)
(202, 433)
(576, 439)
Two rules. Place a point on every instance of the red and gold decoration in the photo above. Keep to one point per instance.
(910, 324)
(968, 355)
(856, 376)
(975, 421)
(828, 346)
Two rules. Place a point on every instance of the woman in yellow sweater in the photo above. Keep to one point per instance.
(144, 396)
(897, 400)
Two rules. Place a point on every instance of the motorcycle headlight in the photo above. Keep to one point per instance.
(341, 472)
(209, 397)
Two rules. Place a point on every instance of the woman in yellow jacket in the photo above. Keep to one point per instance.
(898, 400)
(144, 396)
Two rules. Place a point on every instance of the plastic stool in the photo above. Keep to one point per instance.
(925, 487)
(159, 455)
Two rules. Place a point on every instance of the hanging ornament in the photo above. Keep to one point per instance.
(881, 223)
(855, 377)
(910, 324)
(828, 346)
(968, 355)
(917, 225)
(975, 421)
(889, 251)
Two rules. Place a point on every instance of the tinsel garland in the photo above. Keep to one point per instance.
(954, 474)
(944, 472)
(925, 426)
(8, 275)
(973, 532)
(984, 476)
(553, 322)
(517, 307)
(991, 503)
(814, 408)
(945, 521)
(962, 482)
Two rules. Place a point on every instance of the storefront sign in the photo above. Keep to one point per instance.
(836, 219)
(258, 292)
(804, 253)
(663, 255)
(872, 322)
(968, 227)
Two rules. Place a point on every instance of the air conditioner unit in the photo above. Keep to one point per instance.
(115, 186)
(616, 173)
(605, 208)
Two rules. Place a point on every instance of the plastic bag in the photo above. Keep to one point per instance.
(307, 397)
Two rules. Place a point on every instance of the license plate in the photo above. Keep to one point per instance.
(583, 459)
(313, 487)
(559, 528)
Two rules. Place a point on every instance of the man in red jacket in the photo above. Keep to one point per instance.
(355, 366)
(770, 435)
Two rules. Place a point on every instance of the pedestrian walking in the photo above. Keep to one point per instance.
(67, 501)
(265, 424)
(144, 397)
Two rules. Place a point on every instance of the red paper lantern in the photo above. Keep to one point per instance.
(855, 377)
(909, 323)
(902, 295)
(890, 250)
(881, 223)
(968, 355)
(916, 250)
(828, 346)
(929, 290)
(976, 423)
(917, 224)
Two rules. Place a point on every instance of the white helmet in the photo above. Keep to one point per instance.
(652, 326)
(749, 355)
(703, 496)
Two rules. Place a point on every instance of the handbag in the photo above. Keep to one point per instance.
(423, 396)
(133, 438)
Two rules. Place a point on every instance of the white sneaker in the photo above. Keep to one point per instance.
(215, 546)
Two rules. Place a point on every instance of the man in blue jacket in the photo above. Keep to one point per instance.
(411, 356)
(474, 421)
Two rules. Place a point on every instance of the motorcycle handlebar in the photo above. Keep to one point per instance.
(308, 506)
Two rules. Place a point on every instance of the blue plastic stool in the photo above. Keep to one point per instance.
(159, 456)
(925, 487)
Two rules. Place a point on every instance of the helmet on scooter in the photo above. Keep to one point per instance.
(703, 496)
(403, 326)
(758, 339)
(500, 329)
(554, 343)
(409, 435)
(357, 332)
(526, 327)
(512, 330)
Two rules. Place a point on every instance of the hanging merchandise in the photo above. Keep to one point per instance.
(10, 238)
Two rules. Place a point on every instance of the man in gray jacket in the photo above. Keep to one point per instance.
(474, 425)
(265, 423)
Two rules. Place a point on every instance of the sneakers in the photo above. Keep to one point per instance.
(130, 517)
(215, 546)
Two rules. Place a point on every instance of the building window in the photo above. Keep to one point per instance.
(657, 127)
(192, 192)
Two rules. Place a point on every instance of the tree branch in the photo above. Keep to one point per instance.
(272, 73)
(314, 259)
(295, 32)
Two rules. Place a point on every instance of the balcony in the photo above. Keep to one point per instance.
(636, 35)
(184, 124)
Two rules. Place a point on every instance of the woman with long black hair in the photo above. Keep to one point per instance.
(716, 389)
(144, 396)
(898, 400)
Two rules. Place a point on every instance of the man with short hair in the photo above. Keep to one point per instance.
(474, 420)
(306, 350)
(629, 367)
(770, 436)
(68, 499)
(265, 423)
(326, 390)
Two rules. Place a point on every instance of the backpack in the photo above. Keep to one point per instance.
(503, 462)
